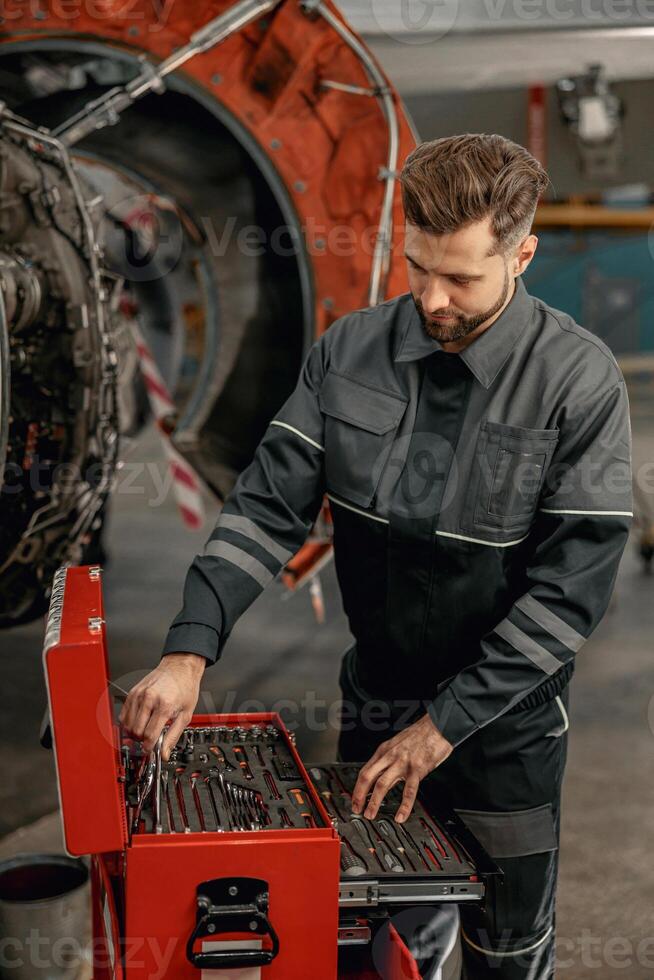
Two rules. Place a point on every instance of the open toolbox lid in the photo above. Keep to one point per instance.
(85, 736)
(84, 733)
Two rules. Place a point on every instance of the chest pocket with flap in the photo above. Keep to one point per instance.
(508, 472)
(360, 425)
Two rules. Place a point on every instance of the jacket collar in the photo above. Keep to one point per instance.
(488, 352)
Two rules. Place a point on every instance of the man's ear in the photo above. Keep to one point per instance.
(524, 254)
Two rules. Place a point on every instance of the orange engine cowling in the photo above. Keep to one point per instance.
(243, 203)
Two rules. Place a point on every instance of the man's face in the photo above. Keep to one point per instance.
(456, 285)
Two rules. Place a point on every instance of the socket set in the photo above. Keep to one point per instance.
(428, 856)
(218, 778)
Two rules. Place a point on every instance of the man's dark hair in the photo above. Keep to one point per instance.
(452, 181)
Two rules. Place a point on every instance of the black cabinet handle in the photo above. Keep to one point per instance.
(229, 905)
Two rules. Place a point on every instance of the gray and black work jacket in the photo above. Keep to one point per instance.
(481, 503)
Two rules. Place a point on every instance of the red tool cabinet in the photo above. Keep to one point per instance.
(194, 905)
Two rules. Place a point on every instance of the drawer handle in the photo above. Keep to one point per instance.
(229, 905)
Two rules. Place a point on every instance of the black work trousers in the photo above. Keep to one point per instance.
(505, 783)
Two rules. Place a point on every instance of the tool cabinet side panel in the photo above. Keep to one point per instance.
(107, 947)
(303, 879)
(81, 717)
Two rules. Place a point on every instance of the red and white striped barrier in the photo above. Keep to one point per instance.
(186, 483)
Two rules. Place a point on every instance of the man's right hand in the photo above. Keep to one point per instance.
(168, 694)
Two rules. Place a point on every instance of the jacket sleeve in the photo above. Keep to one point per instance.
(264, 521)
(574, 550)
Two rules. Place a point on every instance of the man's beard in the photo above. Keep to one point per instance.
(461, 326)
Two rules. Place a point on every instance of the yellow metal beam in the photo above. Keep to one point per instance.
(592, 216)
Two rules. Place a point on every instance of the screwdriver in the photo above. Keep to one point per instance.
(432, 856)
(448, 842)
(386, 829)
(342, 795)
(435, 839)
(358, 826)
(303, 805)
(383, 852)
(319, 777)
(242, 759)
(408, 837)
(331, 806)
(351, 863)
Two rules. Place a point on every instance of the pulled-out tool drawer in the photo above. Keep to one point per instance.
(430, 857)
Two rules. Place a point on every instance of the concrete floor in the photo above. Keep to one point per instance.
(277, 654)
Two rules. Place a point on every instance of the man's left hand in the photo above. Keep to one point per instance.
(409, 756)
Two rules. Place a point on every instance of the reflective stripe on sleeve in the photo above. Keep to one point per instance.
(550, 622)
(252, 566)
(524, 644)
(246, 527)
